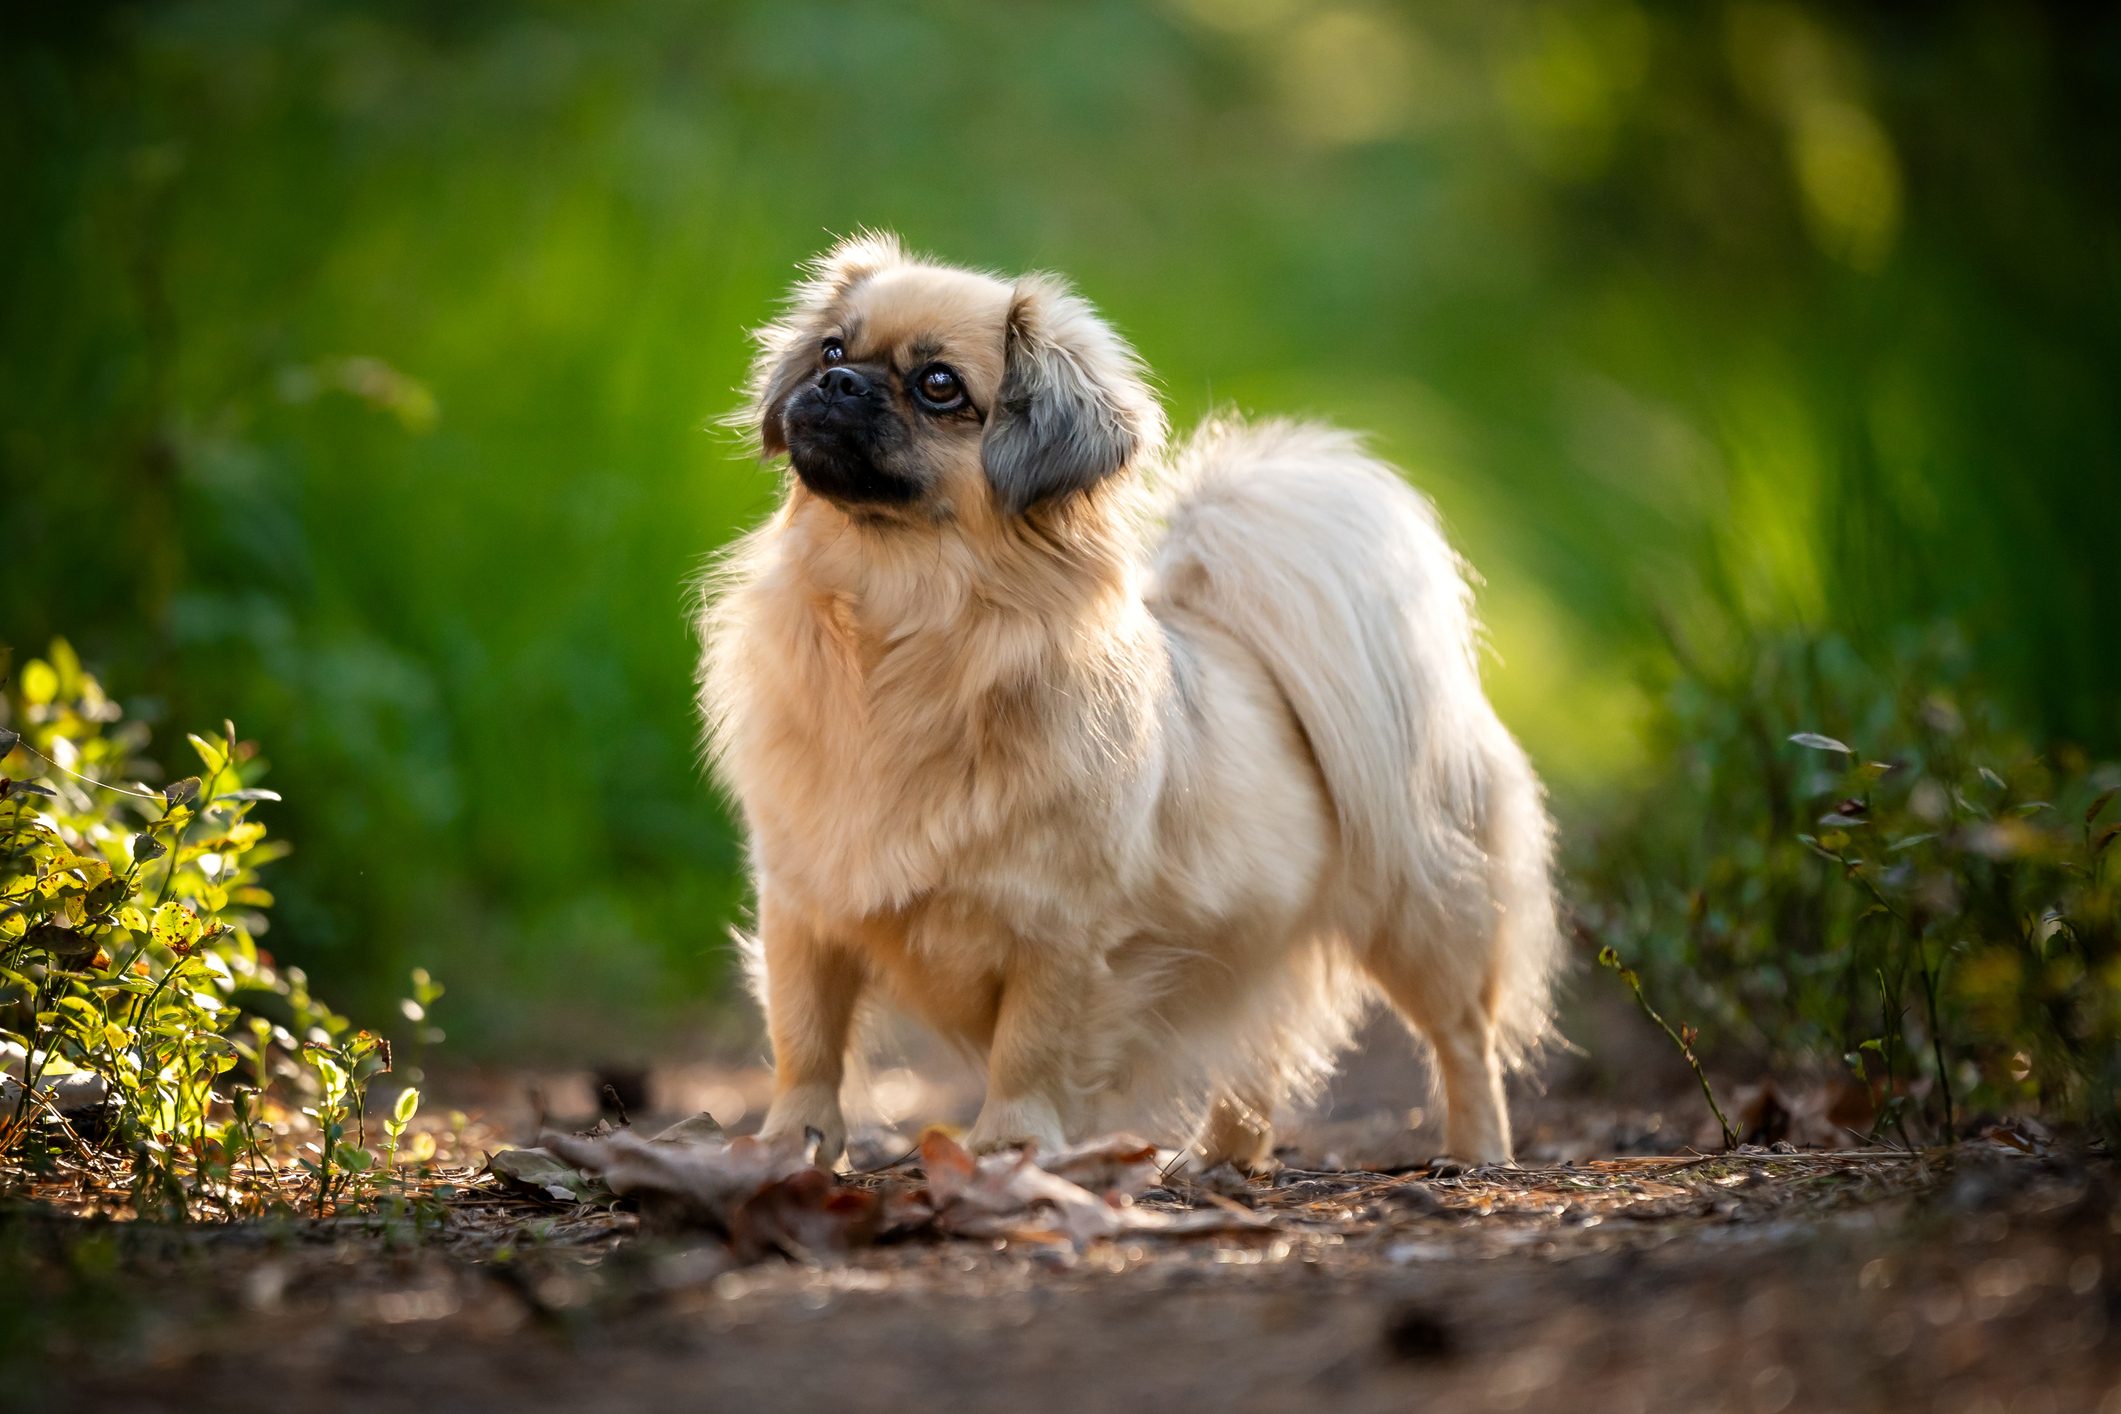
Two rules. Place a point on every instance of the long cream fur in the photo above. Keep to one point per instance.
(1144, 793)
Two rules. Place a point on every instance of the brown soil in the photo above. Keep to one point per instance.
(1983, 1277)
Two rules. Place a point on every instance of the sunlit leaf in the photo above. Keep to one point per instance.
(38, 683)
(2099, 803)
(174, 925)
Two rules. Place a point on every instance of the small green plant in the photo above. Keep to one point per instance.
(138, 1015)
(1989, 907)
(1846, 870)
(1683, 1038)
(401, 1116)
(344, 1068)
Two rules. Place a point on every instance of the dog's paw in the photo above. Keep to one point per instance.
(1201, 1164)
(798, 1114)
(1237, 1135)
(1447, 1166)
(1016, 1124)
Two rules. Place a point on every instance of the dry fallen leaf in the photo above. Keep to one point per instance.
(1009, 1195)
(693, 1180)
(769, 1197)
(699, 1129)
(1114, 1164)
(540, 1174)
(804, 1216)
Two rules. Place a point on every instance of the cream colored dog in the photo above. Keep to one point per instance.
(1139, 774)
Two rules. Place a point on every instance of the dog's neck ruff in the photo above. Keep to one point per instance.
(884, 699)
(1050, 575)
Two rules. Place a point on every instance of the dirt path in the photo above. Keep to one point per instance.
(1973, 1279)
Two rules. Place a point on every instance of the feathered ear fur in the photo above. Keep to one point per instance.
(787, 347)
(1074, 406)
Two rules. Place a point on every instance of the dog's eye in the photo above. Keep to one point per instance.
(833, 352)
(939, 387)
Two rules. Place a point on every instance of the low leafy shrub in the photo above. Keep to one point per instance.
(1839, 869)
(139, 1019)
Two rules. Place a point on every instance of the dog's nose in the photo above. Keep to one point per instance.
(844, 382)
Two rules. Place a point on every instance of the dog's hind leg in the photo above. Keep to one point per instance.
(1446, 990)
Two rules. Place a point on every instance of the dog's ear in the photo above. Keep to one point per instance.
(1074, 406)
(786, 348)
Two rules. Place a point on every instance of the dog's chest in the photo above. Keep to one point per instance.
(869, 792)
(858, 826)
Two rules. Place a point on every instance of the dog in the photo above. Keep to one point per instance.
(1139, 772)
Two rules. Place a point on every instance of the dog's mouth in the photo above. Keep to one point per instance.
(843, 471)
(834, 451)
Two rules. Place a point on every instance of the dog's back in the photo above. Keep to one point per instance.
(1336, 574)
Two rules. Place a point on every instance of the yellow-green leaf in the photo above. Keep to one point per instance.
(174, 924)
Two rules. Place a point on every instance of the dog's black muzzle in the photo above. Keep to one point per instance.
(842, 432)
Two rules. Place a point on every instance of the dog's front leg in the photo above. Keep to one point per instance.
(812, 985)
(1031, 1062)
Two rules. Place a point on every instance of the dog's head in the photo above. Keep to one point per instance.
(905, 390)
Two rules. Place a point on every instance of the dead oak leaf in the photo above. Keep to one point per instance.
(689, 1176)
(1010, 1195)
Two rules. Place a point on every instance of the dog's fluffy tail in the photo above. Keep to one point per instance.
(1337, 575)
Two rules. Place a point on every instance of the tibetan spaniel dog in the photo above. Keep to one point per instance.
(1140, 772)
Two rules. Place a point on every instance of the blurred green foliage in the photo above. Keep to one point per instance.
(357, 365)
(1906, 889)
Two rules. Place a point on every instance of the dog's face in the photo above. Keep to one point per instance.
(906, 391)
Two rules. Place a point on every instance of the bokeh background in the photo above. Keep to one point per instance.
(359, 368)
